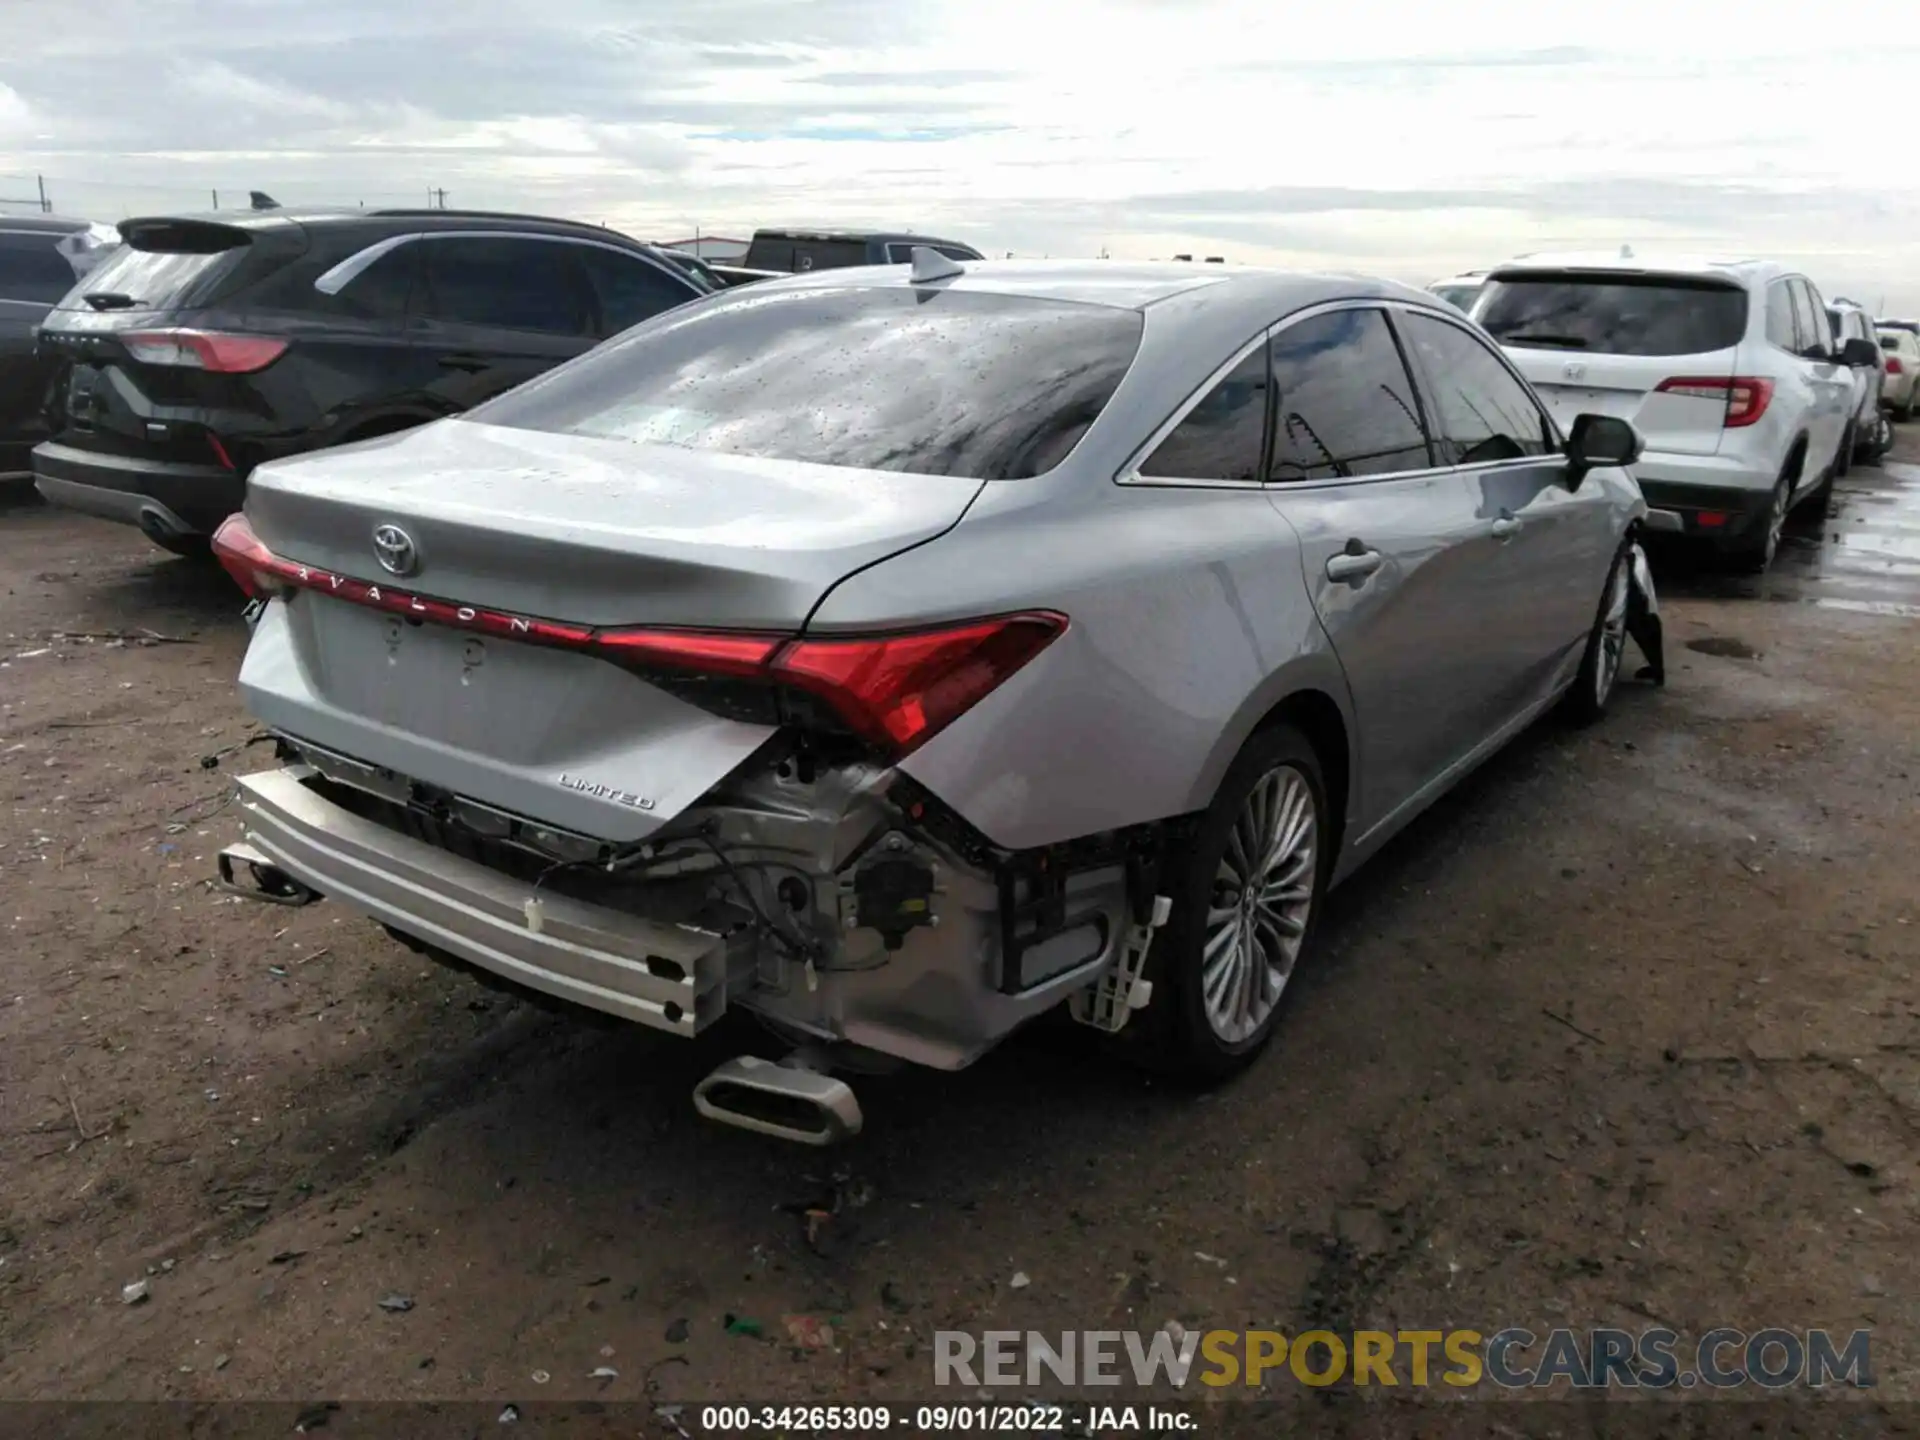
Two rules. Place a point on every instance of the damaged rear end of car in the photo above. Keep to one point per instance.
(550, 707)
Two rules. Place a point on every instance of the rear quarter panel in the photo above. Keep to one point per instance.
(1189, 621)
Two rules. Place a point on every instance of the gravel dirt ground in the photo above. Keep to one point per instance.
(1624, 1032)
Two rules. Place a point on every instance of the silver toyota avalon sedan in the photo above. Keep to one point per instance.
(901, 653)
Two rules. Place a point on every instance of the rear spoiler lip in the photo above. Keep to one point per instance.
(235, 236)
(1688, 279)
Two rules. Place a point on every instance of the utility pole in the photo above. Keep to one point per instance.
(216, 199)
(436, 199)
(46, 205)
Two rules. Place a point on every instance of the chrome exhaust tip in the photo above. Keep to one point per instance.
(261, 878)
(787, 1101)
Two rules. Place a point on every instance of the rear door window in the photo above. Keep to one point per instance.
(1480, 413)
(506, 283)
(32, 269)
(629, 289)
(1783, 329)
(1222, 436)
(383, 289)
(1343, 404)
(1810, 319)
(1614, 315)
(992, 387)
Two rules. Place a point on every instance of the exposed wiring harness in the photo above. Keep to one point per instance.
(797, 945)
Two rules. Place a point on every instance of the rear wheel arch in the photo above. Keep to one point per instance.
(1796, 458)
(1318, 716)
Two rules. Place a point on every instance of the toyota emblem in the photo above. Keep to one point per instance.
(1574, 371)
(395, 550)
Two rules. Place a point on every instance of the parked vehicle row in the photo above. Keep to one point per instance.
(204, 346)
(41, 258)
(1752, 393)
(754, 662)
(208, 344)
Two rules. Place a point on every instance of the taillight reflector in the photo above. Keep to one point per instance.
(1746, 396)
(204, 350)
(897, 691)
(1893, 366)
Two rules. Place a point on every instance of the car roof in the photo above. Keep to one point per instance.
(424, 217)
(44, 224)
(1746, 271)
(1126, 285)
(860, 235)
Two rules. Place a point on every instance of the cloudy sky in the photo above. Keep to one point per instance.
(1408, 139)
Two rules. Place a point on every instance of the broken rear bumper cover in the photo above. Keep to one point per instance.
(669, 977)
(940, 998)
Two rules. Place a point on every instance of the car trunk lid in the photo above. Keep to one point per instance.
(511, 527)
(1624, 343)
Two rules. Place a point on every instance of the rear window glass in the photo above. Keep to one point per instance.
(1614, 316)
(1461, 297)
(154, 279)
(929, 382)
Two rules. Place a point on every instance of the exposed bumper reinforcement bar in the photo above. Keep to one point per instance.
(670, 977)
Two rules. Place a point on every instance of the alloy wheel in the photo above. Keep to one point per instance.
(1262, 897)
(1777, 519)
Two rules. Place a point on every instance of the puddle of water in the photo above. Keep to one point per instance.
(1725, 646)
(1866, 546)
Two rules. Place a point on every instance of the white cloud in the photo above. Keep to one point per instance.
(1378, 134)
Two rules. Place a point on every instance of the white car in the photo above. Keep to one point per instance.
(1460, 291)
(1728, 368)
(1870, 431)
(1902, 391)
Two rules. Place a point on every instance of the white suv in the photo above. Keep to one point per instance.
(1867, 423)
(1728, 368)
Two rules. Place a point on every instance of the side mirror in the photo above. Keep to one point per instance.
(1859, 354)
(1599, 440)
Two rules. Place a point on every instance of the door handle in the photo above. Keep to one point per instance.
(464, 362)
(1353, 566)
(1505, 528)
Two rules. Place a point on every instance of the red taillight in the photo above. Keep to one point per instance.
(1711, 519)
(1893, 366)
(254, 568)
(204, 350)
(897, 691)
(901, 690)
(703, 651)
(1746, 396)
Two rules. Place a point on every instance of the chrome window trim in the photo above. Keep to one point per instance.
(1129, 474)
(343, 274)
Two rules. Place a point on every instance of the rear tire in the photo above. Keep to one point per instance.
(1753, 557)
(1904, 413)
(1246, 895)
(1606, 648)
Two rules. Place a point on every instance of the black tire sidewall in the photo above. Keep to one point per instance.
(1581, 706)
(1178, 1038)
